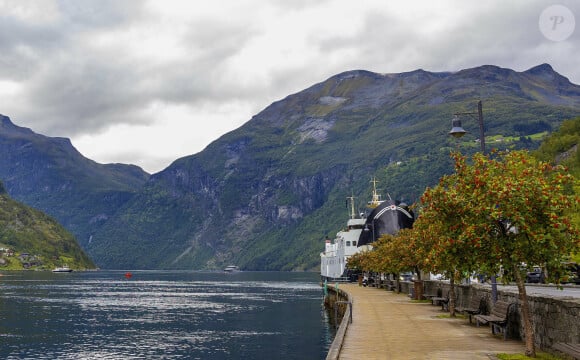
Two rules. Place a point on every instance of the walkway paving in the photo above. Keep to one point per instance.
(387, 325)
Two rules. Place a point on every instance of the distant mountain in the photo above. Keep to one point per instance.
(265, 195)
(49, 174)
(29, 239)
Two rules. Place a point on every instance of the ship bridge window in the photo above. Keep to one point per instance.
(357, 226)
(354, 243)
(348, 243)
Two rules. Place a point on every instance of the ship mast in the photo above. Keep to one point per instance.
(376, 198)
(352, 213)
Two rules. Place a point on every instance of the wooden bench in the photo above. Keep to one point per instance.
(475, 307)
(431, 296)
(572, 350)
(499, 317)
(443, 300)
(440, 299)
(384, 284)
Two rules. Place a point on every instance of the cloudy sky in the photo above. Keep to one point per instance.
(146, 82)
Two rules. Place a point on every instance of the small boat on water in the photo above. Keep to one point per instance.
(62, 269)
(231, 268)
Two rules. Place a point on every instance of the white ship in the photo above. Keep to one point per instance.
(386, 217)
(62, 269)
(231, 268)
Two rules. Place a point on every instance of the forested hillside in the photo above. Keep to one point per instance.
(29, 239)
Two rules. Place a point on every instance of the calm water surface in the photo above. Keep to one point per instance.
(162, 315)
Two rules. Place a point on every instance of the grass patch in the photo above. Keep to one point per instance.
(539, 355)
(448, 316)
(421, 301)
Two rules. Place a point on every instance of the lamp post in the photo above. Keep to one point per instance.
(457, 131)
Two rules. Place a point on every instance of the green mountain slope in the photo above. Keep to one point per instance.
(561, 147)
(38, 241)
(51, 175)
(265, 195)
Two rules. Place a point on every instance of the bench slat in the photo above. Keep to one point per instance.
(569, 349)
(474, 305)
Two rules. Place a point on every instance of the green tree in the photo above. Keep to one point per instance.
(391, 255)
(440, 226)
(403, 252)
(506, 210)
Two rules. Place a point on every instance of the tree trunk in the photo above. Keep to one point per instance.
(418, 272)
(527, 319)
(452, 296)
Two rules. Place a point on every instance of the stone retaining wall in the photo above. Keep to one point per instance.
(555, 319)
(331, 300)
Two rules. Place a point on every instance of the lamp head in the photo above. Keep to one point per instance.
(456, 130)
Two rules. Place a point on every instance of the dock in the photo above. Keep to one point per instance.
(387, 325)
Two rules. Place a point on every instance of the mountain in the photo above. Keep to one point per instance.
(49, 174)
(37, 240)
(265, 195)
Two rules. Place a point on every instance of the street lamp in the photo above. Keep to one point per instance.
(457, 131)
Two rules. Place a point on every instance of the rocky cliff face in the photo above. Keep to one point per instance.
(266, 195)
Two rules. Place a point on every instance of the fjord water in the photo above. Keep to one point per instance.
(162, 315)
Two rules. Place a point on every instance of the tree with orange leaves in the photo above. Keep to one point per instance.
(506, 209)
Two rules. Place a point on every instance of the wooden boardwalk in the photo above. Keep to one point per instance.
(387, 325)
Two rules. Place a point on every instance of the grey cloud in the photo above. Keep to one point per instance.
(78, 92)
(100, 14)
(199, 77)
(487, 34)
(73, 97)
(218, 35)
(70, 90)
(14, 32)
(26, 45)
(23, 46)
(294, 5)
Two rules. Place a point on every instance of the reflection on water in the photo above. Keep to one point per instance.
(176, 315)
